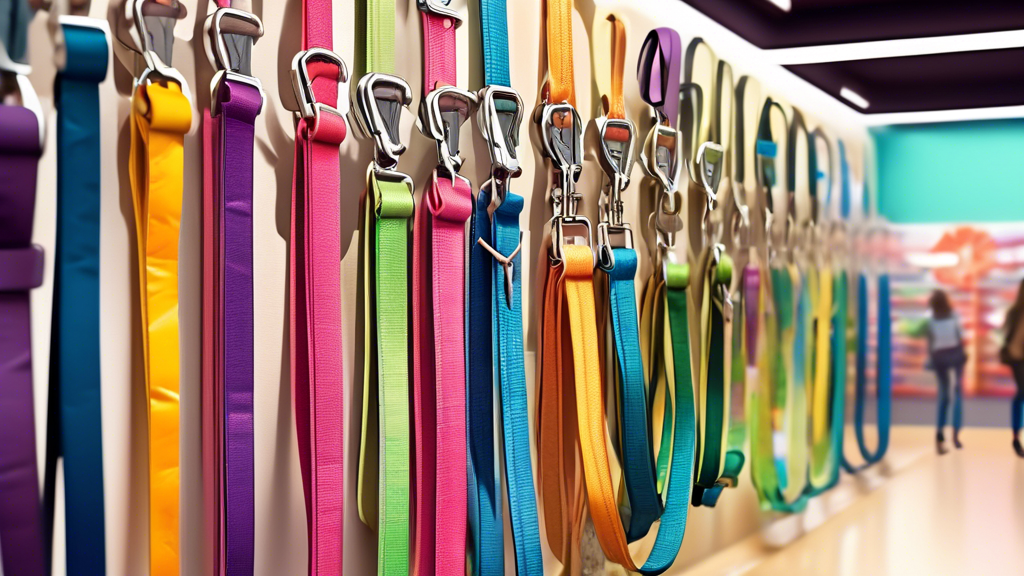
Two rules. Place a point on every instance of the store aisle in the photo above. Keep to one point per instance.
(962, 513)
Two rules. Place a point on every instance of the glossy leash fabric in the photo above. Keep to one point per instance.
(385, 458)
(228, 338)
(161, 115)
(496, 361)
(439, 367)
(74, 424)
(315, 301)
(21, 269)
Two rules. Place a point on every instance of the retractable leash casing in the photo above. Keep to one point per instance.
(320, 80)
(495, 328)
(236, 99)
(384, 455)
(74, 425)
(21, 269)
(161, 116)
(439, 340)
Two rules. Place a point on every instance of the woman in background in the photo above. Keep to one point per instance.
(1012, 355)
(948, 357)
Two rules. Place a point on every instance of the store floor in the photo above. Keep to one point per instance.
(962, 513)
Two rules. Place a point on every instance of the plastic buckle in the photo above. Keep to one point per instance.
(229, 50)
(500, 130)
(442, 113)
(440, 8)
(379, 99)
(302, 84)
(563, 145)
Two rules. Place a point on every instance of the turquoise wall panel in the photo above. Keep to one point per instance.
(951, 172)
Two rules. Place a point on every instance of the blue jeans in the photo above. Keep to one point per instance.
(947, 364)
(1017, 408)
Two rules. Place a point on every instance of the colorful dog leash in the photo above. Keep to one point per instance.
(319, 78)
(236, 99)
(616, 153)
(439, 341)
(161, 115)
(384, 456)
(496, 363)
(21, 269)
(74, 423)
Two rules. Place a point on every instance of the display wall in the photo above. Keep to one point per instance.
(280, 540)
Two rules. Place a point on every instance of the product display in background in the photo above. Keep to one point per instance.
(978, 265)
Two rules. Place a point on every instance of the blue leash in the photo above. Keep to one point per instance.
(75, 422)
(644, 503)
(496, 358)
(884, 372)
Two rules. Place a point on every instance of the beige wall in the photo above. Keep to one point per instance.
(280, 517)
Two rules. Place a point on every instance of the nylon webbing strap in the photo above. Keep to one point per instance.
(74, 424)
(228, 336)
(883, 369)
(22, 546)
(384, 454)
(827, 452)
(315, 278)
(496, 369)
(619, 261)
(161, 115)
(439, 340)
(388, 209)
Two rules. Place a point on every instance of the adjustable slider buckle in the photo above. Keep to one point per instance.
(152, 32)
(562, 138)
(442, 113)
(379, 99)
(440, 8)
(228, 37)
(302, 83)
(500, 129)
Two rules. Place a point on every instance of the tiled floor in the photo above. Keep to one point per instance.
(962, 513)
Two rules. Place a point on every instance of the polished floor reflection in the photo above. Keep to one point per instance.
(962, 513)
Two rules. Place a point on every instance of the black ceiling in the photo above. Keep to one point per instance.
(948, 81)
(815, 22)
(955, 80)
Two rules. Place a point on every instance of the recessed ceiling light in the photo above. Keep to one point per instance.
(784, 5)
(854, 98)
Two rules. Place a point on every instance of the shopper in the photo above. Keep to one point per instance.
(948, 357)
(1012, 354)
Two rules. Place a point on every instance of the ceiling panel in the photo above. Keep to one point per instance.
(819, 22)
(957, 80)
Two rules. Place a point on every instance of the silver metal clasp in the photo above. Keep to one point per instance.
(228, 38)
(440, 8)
(442, 113)
(616, 158)
(302, 83)
(379, 100)
(152, 35)
(500, 129)
(562, 138)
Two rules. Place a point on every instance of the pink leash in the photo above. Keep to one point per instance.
(315, 286)
(439, 399)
